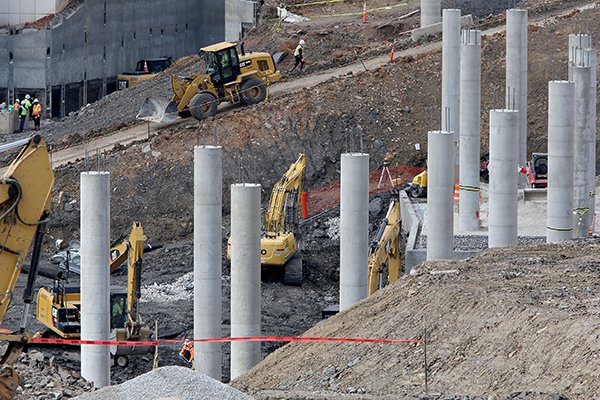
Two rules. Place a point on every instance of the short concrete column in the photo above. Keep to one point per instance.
(354, 228)
(95, 276)
(451, 79)
(431, 11)
(503, 167)
(440, 195)
(561, 104)
(582, 140)
(577, 41)
(245, 276)
(470, 130)
(516, 76)
(208, 204)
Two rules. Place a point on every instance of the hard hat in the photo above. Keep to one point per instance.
(301, 43)
(36, 101)
(27, 96)
(17, 101)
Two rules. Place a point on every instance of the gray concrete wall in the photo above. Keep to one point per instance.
(106, 37)
(237, 13)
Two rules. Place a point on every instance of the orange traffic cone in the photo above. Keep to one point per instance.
(146, 66)
(456, 193)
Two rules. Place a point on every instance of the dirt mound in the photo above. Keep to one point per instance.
(507, 321)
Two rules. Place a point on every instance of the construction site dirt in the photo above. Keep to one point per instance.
(493, 317)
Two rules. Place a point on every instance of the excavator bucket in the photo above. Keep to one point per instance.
(157, 109)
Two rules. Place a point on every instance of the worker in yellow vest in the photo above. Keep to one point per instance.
(36, 111)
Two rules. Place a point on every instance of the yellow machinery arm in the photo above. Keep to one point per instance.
(384, 250)
(132, 251)
(282, 214)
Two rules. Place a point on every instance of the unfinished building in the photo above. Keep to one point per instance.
(68, 53)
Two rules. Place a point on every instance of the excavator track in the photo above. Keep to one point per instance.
(293, 271)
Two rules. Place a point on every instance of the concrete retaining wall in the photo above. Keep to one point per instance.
(7, 123)
(106, 37)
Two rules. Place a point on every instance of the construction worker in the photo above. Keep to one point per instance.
(23, 113)
(36, 111)
(299, 56)
(187, 351)
(28, 102)
(17, 105)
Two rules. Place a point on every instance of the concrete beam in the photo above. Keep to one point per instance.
(354, 228)
(95, 276)
(245, 276)
(440, 195)
(208, 204)
(470, 130)
(503, 190)
(561, 102)
(418, 33)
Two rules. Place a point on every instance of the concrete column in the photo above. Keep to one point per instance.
(95, 276)
(577, 41)
(504, 143)
(451, 79)
(470, 130)
(354, 228)
(440, 195)
(245, 276)
(591, 55)
(516, 77)
(582, 139)
(431, 11)
(208, 204)
(561, 102)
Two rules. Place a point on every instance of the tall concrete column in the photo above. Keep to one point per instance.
(208, 245)
(591, 56)
(503, 190)
(245, 276)
(561, 112)
(470, 130)
(577, 41)
(440, 195)
(451, 79)
(516, 76)
(431, 11)
(354, 228)
(95, 276)
(582, 140)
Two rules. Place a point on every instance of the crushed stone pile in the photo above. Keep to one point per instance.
(509, 323)
(181, 289)
(169, 383)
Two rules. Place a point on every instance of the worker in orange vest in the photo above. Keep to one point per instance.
(17, 105)
(187, 351)
(36, 111)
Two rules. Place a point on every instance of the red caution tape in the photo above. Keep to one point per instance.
(225, 339)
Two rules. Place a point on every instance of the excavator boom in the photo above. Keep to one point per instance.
(384, 250)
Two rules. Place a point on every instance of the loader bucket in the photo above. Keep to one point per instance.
(157, 109)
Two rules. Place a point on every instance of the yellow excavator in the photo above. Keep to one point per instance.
(228, 77)
(25, 195)
(279, 245)
(384, 250)
(58, 307)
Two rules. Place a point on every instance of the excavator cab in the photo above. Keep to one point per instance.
(537, 170)
(118, 308)
(222, 62)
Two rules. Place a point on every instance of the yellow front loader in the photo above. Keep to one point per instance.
(228, 77)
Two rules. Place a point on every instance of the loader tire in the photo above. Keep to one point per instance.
(203, 105)
(253, 91)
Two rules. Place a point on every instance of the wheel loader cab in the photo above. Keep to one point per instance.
(222, 63)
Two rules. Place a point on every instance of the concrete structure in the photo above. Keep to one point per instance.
(245, 276)
(208, 203)
(7, 122)
(431, 12)
(75, 58)
(577, 41)
(354, 228)
(20, 12)
(95, 276)
(582, 140)
(504, 143)
(516, 76)
(418, 33)
(559, 222)
(440, 195)
(451, 79)
(238, 14)
(470, 129)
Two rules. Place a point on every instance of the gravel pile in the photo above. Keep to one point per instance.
(480, 242)
(181, 289)
(170, 383)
